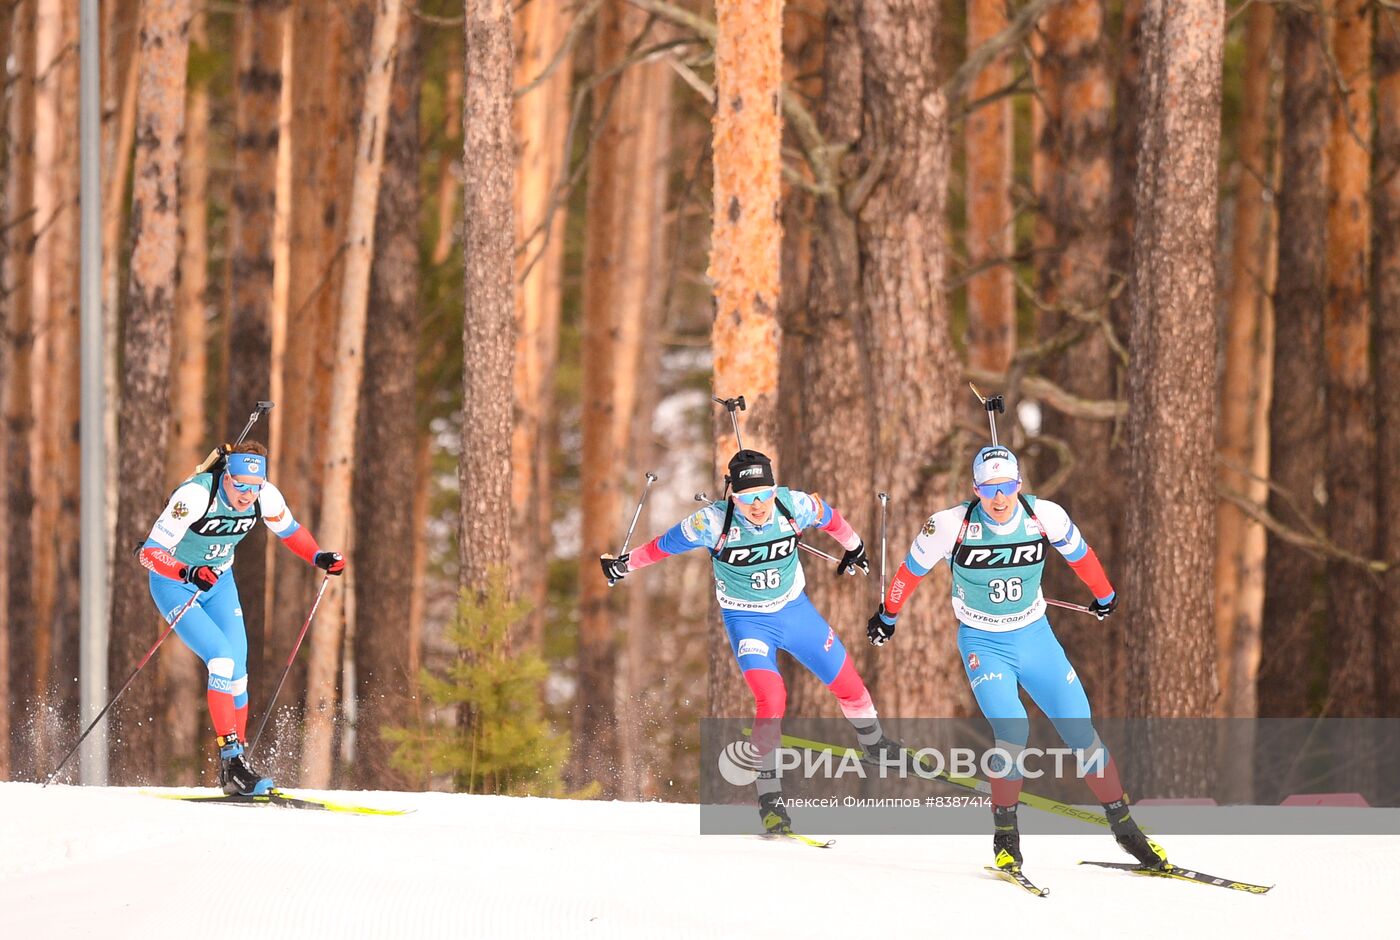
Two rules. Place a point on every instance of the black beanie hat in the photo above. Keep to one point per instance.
(749, 468)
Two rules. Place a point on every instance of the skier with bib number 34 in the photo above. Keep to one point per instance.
(996, 545)
(752, 539)
(190, 551)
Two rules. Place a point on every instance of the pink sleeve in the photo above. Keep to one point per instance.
(839, 529)
(648, 554)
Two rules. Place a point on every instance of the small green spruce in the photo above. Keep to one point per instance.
(491, 734)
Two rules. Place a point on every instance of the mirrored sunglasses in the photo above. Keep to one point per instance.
(755, 496)
(992, 490)
(245, 487)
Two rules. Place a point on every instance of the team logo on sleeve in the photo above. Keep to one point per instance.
(179, 510)
(931, 526)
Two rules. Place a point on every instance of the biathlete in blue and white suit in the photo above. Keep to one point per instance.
(752, 539)
(996, 546)
(190, 553)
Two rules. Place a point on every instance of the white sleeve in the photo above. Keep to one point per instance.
(187, 504)
(934, 543)
(1060, 529)
(275, 514)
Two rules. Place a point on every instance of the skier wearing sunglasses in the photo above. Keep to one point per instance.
(752, 539)
(190, 551)
(996, 546)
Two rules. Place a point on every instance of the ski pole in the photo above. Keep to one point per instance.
(290, 659)
(995, 404)
(734, 405)
(263, 406)
(1068, 606)
(884, 511)
(139, 666)
(651, 478)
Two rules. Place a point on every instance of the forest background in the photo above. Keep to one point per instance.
(492, 261)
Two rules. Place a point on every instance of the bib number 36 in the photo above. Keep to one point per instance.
(1004, 589)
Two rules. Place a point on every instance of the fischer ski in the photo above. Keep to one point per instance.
(1016, 877)
(279, 798)
(1184, 874)
(798, 837)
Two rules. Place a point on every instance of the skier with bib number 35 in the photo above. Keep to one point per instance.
(752, 539)
(190, 551)
(996, 545)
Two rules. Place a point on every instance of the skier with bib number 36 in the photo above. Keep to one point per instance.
(996, 545)
(752, 539)
(190, 551)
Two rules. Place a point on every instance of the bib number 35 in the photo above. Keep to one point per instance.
(1004, 589)
(765, 580)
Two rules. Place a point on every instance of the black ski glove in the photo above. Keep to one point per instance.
(877, 630)
(853, 559)
(1102, 610)
(202, 577)
(614, 569)
(330, 562)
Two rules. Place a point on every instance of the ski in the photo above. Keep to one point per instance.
(279, 798)
(1184, 874)
(805, 840)
(1016, 877)
(968, 783)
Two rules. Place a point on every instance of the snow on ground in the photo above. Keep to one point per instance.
(115, 863)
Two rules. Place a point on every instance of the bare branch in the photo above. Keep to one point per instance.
(575, 30)
(983, 55)
(1317, 546)
(1041, 389)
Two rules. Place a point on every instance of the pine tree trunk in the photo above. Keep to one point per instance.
(55, 308)
(180, 668)
(316, 252)
(1077, 202)
(450, 163)
(745, 255)
(388, 440)
(336, 522)
(1170, 532)
(488, 332)
(1245, 318)
(1387, 288)
(6, 352)
(541, 117)
(1126, 131)
(1295, 424)
(828, 421)
(1350, 389)
(19, 411)
(902, 234)
(145, 407)
(991, 294)
(645, 242)
(258, 90)
(616, 269)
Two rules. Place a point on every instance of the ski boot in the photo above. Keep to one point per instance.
(1006, 842)
(774, 815)
(885, 751)
(235, 776)
(1131, 838)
